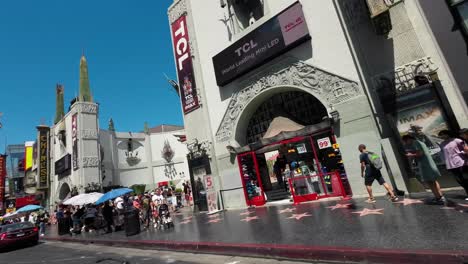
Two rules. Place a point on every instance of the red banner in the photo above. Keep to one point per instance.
(184, 65)
(75, 142)
(2, 180)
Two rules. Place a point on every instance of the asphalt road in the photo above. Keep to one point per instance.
(69, 253)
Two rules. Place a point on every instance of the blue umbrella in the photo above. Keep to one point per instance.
(29, 208)
(113, 194)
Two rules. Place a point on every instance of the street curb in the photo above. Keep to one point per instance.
(295, 252)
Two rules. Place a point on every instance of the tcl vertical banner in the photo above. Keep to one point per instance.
(2, 180)
(43, 157)
(75, 141)
(187, 86)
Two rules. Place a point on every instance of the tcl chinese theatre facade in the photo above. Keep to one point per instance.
(277, 95)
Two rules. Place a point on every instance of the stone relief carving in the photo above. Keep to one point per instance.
(89, 108)
(177, 10)
(331, 88)
(88, 162)
(89, 134)
(197, 149)
(402, 78)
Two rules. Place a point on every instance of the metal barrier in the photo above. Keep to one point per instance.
(227, 190)
(314, 187)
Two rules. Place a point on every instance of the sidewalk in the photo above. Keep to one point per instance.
(405, 232)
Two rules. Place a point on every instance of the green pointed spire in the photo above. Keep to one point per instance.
(111, 125)
(85, 91)
(59, 112)
(146, 128)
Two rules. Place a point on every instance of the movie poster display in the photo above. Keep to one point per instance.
(75, 141)
(184, 65)
(424, 122)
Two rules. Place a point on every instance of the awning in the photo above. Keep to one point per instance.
(281, 124)
(284, 135)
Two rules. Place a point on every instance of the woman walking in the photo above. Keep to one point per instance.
(455, 157)
(427, 167)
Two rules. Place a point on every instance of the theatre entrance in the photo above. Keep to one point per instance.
(291, 152)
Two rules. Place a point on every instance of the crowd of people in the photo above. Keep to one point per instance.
(40, 219)
(110, 216)
(454, 150)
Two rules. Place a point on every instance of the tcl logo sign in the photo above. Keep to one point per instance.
(181, 43)
(184, 65)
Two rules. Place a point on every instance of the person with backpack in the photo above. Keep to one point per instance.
(428, 171)
(371, 164)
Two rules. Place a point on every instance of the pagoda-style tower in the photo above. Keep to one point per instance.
(59, 112)
(85, 91)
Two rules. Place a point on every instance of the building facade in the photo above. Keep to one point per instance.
(304, 83)
(83, 158)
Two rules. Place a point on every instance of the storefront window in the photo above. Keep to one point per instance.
(250, 176)
(303, 170)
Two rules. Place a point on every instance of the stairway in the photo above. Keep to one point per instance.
(276, 195)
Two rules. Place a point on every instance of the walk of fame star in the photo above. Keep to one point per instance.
(287, 210)
(299, 216)
(247, 213)
(185, 222)
(250, 218)
(213, 216)
(366, 211)
(407, 201)
(339, 206)
(463, 205)
(188, 218)
(216, 220)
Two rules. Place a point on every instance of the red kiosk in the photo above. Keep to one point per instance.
(311, 167)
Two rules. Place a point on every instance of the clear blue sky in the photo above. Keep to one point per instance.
(128, 48)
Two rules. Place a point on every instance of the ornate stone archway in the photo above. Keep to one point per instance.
(328, 87)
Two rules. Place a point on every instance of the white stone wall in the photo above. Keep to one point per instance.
(151, 168)
(328, 51)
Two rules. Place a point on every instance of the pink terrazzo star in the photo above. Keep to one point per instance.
(339, 206)
(249, 218)
(463, 205)
(299, 216)
(216, 220)
(213, 216)
(406, 202)
(366, 211)
(188, 218)
(247, 213)
(185, 222)
(287, 210)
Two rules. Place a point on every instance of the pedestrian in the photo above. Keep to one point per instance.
(146, 211)
(89, 217)
(455, 158)
(42, 225)
(428, 171)
(370, 174)
(464, 135)
(108, 214)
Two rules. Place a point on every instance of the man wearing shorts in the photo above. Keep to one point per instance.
(371, 174)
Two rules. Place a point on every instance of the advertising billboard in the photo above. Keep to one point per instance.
(75, 141)
(276, 36)
(28, 156)
(184, 65)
